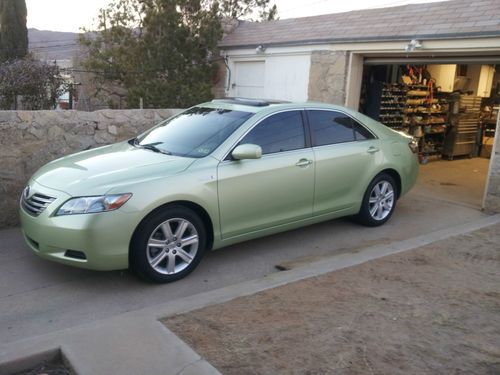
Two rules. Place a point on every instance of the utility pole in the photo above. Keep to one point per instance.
(71, 92)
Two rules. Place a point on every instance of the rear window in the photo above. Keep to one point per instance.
(329, 127)
(194, 133)
(360, 131)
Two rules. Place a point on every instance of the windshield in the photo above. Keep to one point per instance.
(194, 133)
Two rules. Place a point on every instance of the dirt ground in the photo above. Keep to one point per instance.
(433, 310)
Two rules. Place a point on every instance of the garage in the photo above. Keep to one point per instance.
(430, 70)
(450, 105)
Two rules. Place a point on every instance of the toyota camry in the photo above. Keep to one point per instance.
(216, 174)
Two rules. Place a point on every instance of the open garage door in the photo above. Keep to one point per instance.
(450, 104)
(429, 60)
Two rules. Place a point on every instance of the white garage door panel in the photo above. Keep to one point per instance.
(249, 79)
(287, 77)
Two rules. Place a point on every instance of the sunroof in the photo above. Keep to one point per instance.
(249, 102)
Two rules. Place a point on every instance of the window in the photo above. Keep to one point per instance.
(281, 132)
(329, 127)
(194, 133)
(360, 132)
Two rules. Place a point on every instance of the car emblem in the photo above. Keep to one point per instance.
(26, 192)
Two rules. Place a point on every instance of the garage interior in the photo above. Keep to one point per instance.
(451, 106)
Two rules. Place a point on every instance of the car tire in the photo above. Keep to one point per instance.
(168, 244)
(379, 201)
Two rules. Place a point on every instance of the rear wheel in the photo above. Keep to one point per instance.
(168, 244)
(379, 201)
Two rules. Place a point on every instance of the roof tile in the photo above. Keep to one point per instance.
(461, 17)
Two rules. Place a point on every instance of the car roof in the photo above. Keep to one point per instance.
(250, 102)
(260, 110)
(265, 105)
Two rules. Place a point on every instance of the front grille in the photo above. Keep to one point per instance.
(36, 204)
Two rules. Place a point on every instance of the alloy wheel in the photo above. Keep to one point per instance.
(381, 200)
(172, 246)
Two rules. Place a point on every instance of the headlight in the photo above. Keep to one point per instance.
(88, 205)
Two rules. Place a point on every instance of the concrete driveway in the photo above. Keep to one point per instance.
(37, 296)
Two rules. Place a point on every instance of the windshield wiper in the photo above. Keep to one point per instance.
(149, 146)
(152, 147)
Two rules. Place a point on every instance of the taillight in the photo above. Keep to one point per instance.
(413, 145)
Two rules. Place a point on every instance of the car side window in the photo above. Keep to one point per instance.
(329, 127)
(360, 132)
(280, 132)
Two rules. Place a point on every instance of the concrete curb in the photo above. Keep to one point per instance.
(136, 342)
(120, 345)
(333, 263)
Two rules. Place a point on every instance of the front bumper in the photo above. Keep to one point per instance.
(103, 238)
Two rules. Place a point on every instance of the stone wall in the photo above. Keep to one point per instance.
(328, 77)
(492, 197)
(29, 139)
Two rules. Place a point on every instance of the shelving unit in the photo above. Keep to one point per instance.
(427, 117)
(392, 103)
(417, 109)
(450, 109)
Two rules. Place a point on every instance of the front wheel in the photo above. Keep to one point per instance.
(379, 201)
(168, 244)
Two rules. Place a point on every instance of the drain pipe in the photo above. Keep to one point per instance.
(228, 75)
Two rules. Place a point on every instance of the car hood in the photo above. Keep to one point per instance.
(96, 171)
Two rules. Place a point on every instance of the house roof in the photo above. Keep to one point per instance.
(441, 20)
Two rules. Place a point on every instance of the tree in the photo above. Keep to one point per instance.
(176, 53)
(13, 31)
(163, 51)
(37, 83)
(240, 9)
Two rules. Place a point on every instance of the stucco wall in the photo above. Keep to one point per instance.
(29, 139)
(328, 77)
(492, 195)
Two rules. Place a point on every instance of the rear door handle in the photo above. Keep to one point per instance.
(303, 163)
(372, 149)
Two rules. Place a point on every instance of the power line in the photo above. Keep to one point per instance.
(42, 48)
(52, 41)
(142, 71)
(55, 46)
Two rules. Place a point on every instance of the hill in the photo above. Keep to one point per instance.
(53, 45)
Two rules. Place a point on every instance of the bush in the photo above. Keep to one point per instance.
(37, 83)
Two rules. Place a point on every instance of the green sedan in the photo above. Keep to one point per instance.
(218, 173)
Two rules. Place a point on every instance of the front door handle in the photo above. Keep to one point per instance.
(372, 149)
(303, 163)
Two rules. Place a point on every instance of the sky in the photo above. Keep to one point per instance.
(70, 15)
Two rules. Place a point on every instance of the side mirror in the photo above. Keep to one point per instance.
(247, 151)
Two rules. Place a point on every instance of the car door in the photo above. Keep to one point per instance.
(345, 153)
(273, 190)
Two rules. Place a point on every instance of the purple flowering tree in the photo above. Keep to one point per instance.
(33, 83)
